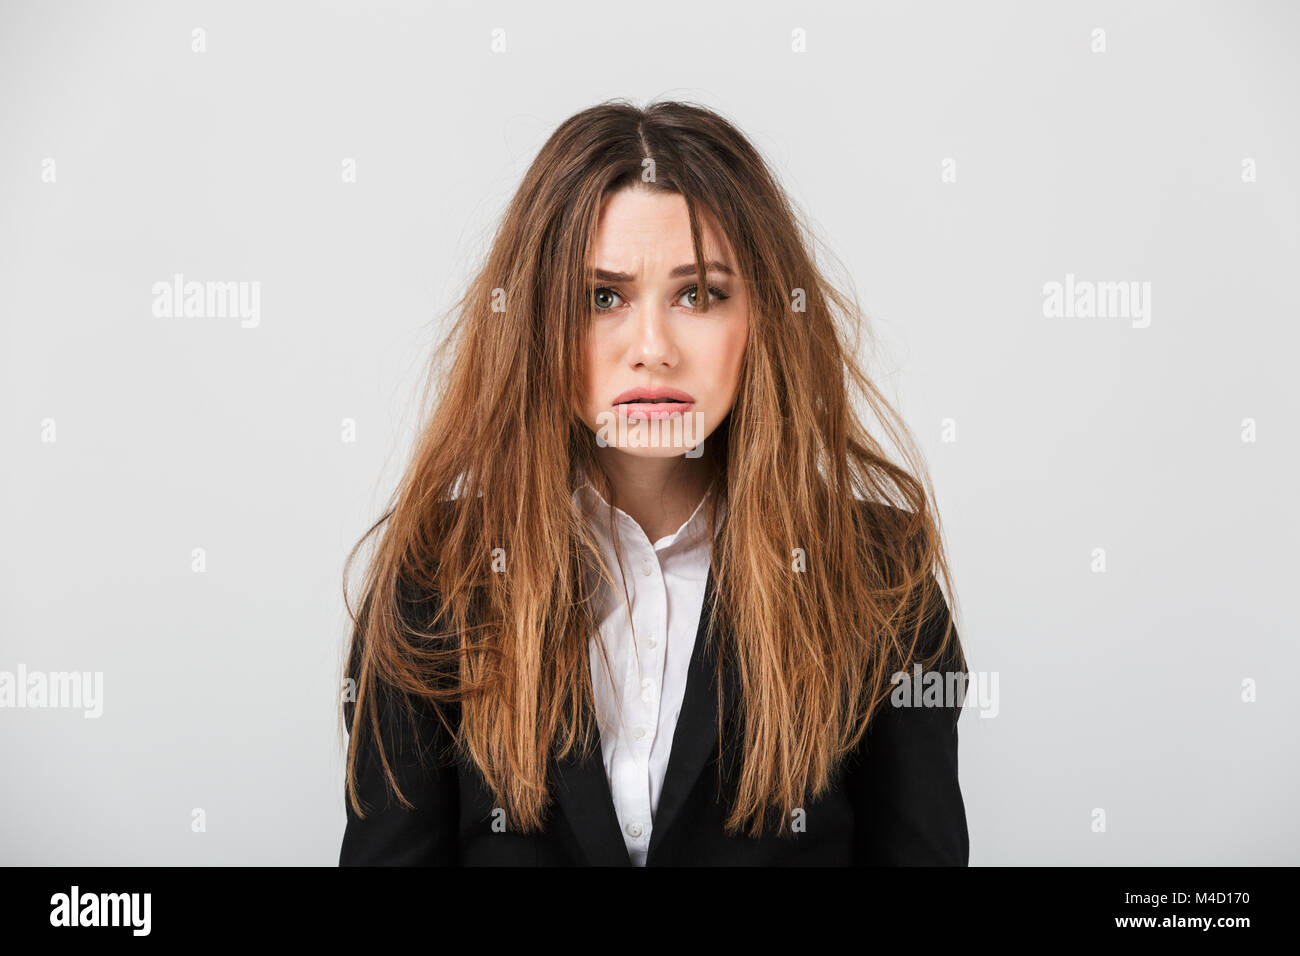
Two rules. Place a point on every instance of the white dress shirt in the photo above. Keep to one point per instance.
(649, 646)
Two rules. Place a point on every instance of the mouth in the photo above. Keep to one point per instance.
(653, 402)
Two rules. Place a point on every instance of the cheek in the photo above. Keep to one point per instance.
(731, 352)
(594, 374)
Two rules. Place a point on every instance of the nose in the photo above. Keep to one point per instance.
(652, 344)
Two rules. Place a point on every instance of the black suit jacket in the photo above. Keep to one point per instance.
(896, 800)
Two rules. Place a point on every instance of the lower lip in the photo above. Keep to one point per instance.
(645, 411)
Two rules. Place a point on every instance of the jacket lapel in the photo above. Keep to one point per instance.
(582, 792)
(582, 789)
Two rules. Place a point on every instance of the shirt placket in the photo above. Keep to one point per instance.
(643, 689)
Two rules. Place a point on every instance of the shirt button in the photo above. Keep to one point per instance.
(646, 568)
(633, 829)
(653, 642)
(638, 732)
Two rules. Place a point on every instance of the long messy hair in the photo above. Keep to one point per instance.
(478, 599)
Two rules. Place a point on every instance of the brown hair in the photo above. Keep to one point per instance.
(502, 657)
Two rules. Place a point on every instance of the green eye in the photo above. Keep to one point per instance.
(601, 299)
(693, 292)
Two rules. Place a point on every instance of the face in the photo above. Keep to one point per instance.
(648, 343)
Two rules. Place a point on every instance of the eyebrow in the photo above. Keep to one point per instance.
(687, 269)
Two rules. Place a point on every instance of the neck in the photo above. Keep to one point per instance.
(659, 494)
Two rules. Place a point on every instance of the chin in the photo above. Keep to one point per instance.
(658, 452)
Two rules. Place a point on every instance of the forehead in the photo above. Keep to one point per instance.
(638, 223)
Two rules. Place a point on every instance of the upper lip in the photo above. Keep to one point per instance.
(652, 391)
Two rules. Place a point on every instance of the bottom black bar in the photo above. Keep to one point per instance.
(918, 906)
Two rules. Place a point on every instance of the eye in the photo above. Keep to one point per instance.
(693, 292)
(600, 299)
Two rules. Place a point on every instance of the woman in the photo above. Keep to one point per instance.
(642, 592)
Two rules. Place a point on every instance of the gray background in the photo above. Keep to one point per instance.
(1119, 691)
